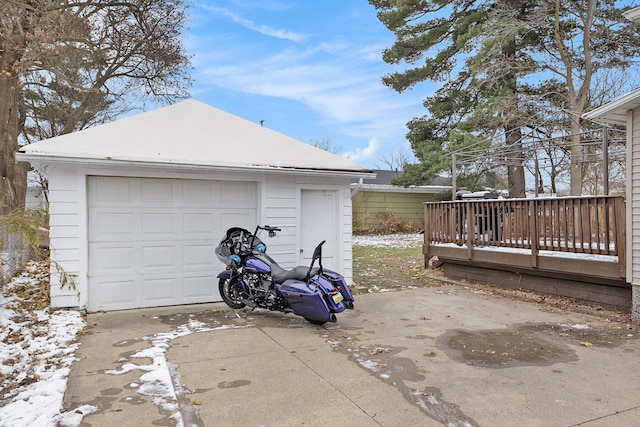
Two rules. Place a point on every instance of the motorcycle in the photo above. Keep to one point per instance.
(254, 279)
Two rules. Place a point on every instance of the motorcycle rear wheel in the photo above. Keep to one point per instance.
(230, 293)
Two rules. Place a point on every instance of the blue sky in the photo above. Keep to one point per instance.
(310, 69)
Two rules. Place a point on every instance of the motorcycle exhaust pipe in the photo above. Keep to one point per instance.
(350, 305)
(333, 318)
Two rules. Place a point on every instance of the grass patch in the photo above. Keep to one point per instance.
(378, 269)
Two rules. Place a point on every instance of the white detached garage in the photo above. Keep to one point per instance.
(137, 206)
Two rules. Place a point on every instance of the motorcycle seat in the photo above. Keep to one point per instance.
(279, 274)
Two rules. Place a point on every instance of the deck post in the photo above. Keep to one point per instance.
(427, 235)
(471, 228)
(620, 233)
(533, 232)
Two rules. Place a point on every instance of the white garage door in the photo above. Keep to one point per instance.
(151, 241)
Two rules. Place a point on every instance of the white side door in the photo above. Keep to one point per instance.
(318, 222)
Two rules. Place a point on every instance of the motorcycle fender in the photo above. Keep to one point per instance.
(306, 301)
(338, 281)
(226, 274)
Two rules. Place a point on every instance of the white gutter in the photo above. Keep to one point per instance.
(616, 110)
(632, 14)
(380, 188)
(35, 159)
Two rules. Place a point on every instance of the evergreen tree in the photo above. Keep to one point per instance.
(504, 65)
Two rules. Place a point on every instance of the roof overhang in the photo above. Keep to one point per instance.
(632, 14)
(615, 112)
(40, 160)
(426, 189)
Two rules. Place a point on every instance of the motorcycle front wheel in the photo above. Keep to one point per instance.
(230, 293)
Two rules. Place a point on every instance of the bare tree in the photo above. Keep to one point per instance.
(67, 65)
(395, 161)
(325, 144)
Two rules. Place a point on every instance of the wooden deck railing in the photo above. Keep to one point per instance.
(585, 225)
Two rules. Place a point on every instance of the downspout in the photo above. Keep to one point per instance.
(357, 188)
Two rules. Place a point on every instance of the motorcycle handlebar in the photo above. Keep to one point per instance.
(269, 228)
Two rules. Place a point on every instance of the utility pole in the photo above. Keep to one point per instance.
(453, 176)
(605, 160)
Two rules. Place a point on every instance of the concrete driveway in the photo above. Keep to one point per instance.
(429, 357)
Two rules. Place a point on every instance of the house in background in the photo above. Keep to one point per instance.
(625, 111)
(138, 205)
(379, 206)
(35, 197)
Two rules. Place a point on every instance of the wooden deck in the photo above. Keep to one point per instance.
(573, 246)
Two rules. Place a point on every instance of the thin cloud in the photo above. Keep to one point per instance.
(262, 29)
(334, 75)
(361, 105)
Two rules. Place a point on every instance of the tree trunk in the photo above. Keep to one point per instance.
(576, 159)
(512, 125)
(13, 175)
(515, 170)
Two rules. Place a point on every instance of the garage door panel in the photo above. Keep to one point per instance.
(237, 219)
(159, 290)
(198, 224)
(112, 226)
(198, 257)
(200, 192)
(198, 287)
(115, 261)
(114, 295)
(240, 193)
(105, 190)
(152, 241)
(154, 191)
(159, 258)
(157, 225)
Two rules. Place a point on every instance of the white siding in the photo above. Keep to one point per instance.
(633, 210)
(278, 202)
(282, 197)
(633, 197)
(65, 199)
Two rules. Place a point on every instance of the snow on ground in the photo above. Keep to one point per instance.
(159, 379)
(37, 349)
(36, 352)
(389, 240)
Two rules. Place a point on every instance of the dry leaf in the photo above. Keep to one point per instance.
(586, 344)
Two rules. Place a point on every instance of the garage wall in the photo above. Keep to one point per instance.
(278, 204)
(66, 230)
(633, 209)
(282, 203)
